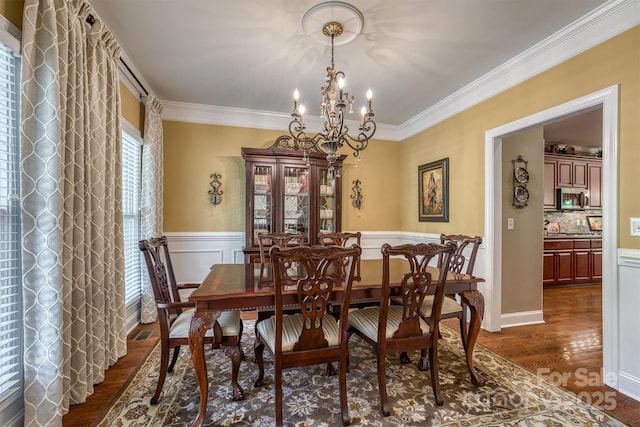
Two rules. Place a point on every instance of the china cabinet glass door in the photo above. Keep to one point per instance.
(327, 202)
(262, 201)
(296, 200)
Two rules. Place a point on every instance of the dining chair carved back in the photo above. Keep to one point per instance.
(394, 328)
(174, 315)
(267, 240)
(304, 276)
(465, 254)
(342, 238)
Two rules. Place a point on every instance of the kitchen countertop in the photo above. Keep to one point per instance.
(573, 236)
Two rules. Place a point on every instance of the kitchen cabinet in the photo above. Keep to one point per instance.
(572, 172)
(572, 261)
(594, 179)
(558, 262)
(550, 179)
(581, 260)
(287, 192)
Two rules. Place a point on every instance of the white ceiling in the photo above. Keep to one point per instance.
(252, 54)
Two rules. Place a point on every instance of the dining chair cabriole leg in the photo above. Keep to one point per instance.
(258, 349)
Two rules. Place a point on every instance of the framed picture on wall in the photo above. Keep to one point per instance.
(595, 222)
(433, 191)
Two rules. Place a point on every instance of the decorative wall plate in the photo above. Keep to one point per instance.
(521, 194)
(521, 175)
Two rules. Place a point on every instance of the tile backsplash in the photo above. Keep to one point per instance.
(572, 222)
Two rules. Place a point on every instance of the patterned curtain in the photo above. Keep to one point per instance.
(151, 203)
(74, 312)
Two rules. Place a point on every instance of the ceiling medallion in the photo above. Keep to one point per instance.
(335, 19)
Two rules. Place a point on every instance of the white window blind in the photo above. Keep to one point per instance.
(131, 181)
(10, 249)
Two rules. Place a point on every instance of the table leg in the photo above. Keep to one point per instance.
(201, 322)
(475, 301)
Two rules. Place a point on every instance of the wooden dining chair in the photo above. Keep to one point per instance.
(266, 240)
(305, 276)
(400, 328)
(174, 315)
(342, 238)
(465, 254)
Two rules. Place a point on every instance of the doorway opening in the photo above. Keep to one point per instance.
(608, 100)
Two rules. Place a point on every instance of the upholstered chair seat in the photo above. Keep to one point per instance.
(229, 322)
(292, 329)
(366, 321)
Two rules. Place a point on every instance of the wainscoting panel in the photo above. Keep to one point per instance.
(193, 254)
(629, 298)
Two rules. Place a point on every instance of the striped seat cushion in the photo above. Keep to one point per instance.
(291, 330)
(229, 322)
(366, 321)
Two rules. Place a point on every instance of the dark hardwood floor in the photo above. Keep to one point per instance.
(568, 345)
(567, 348)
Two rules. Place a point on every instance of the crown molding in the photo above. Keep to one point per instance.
(603, 23)
(256, 119)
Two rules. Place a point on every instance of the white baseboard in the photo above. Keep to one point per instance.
(521, 318)
(629, 385)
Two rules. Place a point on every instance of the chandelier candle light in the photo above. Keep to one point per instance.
(335, 132)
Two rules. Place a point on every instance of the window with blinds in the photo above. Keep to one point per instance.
(10, 249)
(131, 181)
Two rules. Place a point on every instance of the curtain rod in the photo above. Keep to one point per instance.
(91, 20)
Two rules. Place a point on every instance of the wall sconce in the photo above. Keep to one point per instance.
(215, 195)
(357, 195)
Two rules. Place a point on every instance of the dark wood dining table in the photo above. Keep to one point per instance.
(249, 287)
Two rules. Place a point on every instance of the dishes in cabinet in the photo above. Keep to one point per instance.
(292, 214)
(261, 188)
(261, 213)
(521, 175)
(326, 190)
(292, 187)
(326, 213)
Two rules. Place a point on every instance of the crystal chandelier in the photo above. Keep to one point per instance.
(335, 132)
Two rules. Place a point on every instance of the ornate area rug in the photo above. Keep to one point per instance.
(512, 396)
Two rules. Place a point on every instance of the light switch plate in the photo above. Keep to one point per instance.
(635, 226)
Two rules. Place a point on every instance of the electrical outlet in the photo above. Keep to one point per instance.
(510, 224)
(635, 226)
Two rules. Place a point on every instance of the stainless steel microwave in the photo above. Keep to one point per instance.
(572, 198)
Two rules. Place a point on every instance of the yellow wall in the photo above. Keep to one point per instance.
(12, 10)
(461, 138)
(131, 107)
(192, 152)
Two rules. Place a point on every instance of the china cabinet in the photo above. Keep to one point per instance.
(288, 192)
